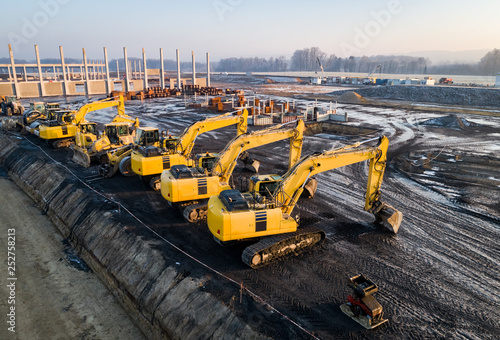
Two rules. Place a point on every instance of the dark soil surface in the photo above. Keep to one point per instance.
(438, 277)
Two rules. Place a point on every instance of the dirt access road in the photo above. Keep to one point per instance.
(53, 300)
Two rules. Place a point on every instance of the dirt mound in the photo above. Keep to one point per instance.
(352, 97)
(451, 121)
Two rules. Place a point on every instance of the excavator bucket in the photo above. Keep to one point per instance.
(253, 165)
(310, 188)
(250, 163)
(80, 156)
(388, 217)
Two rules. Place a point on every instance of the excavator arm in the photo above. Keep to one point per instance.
(226, 161)
(293, 182)
(98, 105)
(186, 141)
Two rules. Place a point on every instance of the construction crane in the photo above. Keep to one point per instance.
(374, 70)
(322, 71)
(233, 216)
(190, 188)
(61, 132)
(149, 162)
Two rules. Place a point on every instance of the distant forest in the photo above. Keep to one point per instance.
(309, 59)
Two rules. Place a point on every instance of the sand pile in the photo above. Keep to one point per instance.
(352, 98)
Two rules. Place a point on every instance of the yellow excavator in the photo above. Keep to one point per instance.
(190, 188)
(265, 211)
(61, 131)
(120, 132)
(149, 161)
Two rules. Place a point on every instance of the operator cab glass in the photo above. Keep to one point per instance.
(264, 185)
(90, 128)
(170, 143)
(37, 107)
(147, 137)
(207, 160)
(114, 132)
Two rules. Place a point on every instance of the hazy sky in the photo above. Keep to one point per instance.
(227, 28)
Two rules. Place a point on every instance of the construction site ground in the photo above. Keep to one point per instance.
(438, 277)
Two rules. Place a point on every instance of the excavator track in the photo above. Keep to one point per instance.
(197, 212)
(272, 248)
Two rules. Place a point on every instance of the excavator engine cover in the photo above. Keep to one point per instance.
(149, 151)
(181, 171)
(233, 200)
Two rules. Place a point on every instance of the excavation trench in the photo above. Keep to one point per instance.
(165, 301)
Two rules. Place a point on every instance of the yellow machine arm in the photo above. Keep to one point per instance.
(186, 141)
(98, 105)
(121, 118)
(292, 184)
(226, 161)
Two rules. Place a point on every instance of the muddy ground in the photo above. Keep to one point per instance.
(438, 276)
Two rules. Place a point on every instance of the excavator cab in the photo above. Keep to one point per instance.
(64, 117)
(263, 185)
(147, 136)
(88, 134)
(206, 160)
(117, 132)
(50, 109)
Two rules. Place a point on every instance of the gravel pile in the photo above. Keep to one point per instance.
(451, 121)
(432, 94)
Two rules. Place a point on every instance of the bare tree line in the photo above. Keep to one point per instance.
(309, 59)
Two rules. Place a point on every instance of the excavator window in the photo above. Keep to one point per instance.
(152, 137)
(111, 133)
(122, 130)
(266, 189)
(208, 162)
(144, 138)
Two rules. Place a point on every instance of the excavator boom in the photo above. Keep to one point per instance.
(150, 162)
(99, 105)
(186, 141)
(190, 189)
(226, 161)
(69, 123)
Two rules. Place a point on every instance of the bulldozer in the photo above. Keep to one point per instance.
(10, 106)
(61, 131)
(149, 161)
(190, 188)
(264, 213)
(120, 132)
(362, 306)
